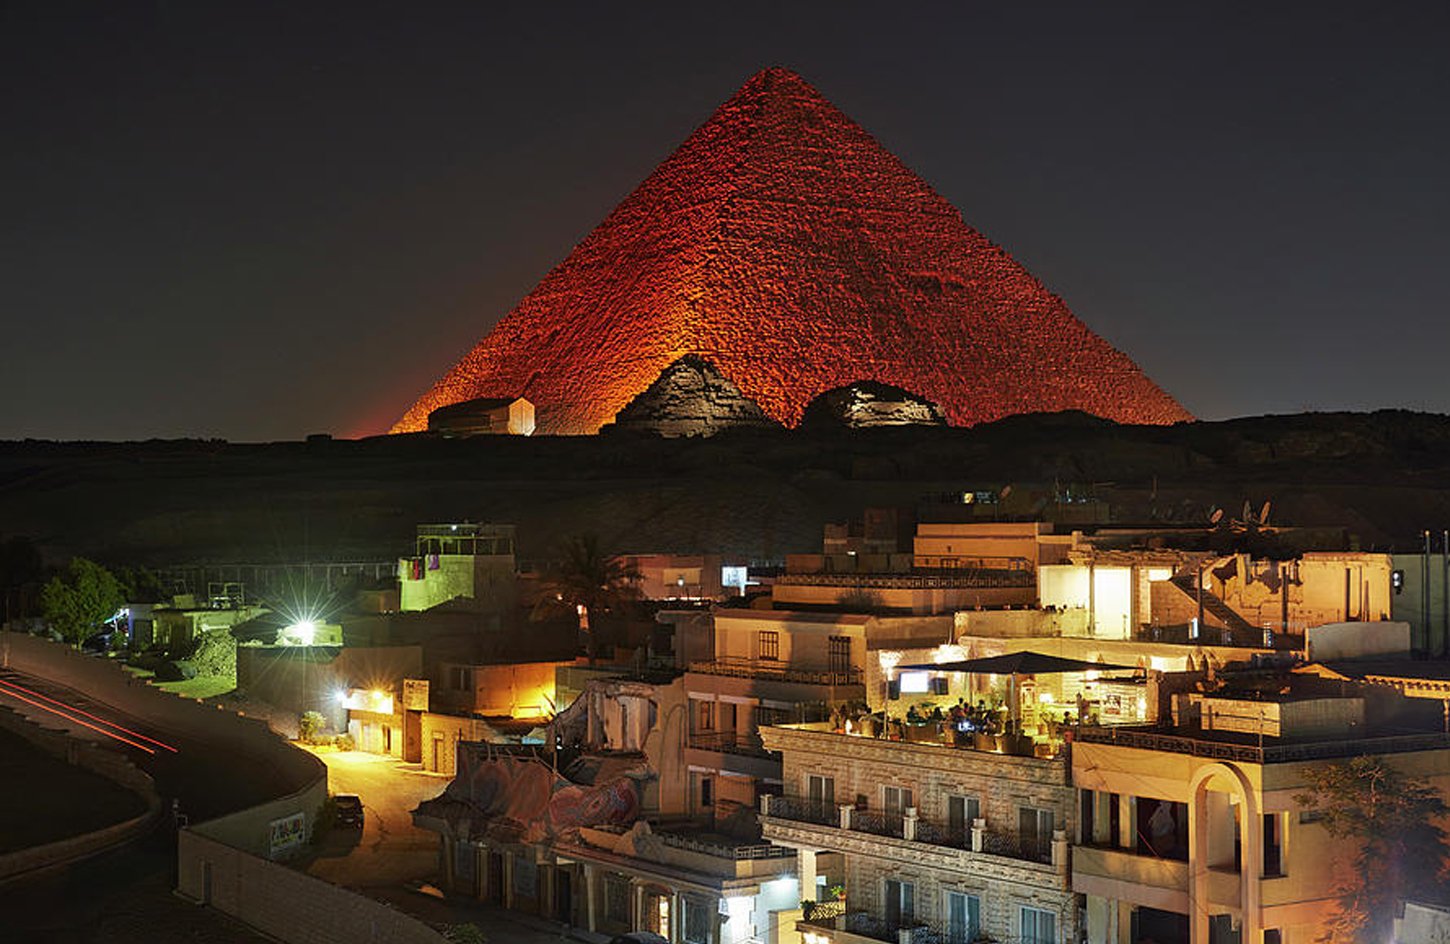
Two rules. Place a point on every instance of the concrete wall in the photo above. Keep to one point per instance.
(286, 904)
(1353, 640)
(219, 862)
(803, 639)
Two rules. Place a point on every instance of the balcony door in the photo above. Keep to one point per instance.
(964, 918)
(821, 793)
(900, 904)
(961, 811)
(1034, 830)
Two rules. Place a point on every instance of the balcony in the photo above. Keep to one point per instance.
(909, 828)
(805, 810)
(844, 926)
(772, 670)
(1157, 882)
(741, 743)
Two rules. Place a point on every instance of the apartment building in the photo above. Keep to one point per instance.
(904, 840)
(1189, 831)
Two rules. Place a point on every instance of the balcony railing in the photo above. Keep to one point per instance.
(894, 825)
(778, 671)
(1148, 739)
(724, 849)
(730, 742)
(947, 579)
(1028, 849)
(957, 837)
(834, 916)
(805, 810)
(879, 823)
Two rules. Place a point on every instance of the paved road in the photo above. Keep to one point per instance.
(208, 780)
(391, 851)
(124, 896)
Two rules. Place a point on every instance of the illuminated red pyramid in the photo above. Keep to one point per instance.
(789, 249)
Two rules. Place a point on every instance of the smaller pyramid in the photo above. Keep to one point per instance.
(866, 404)
(691, 398)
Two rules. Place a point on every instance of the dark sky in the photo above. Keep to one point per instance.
(256, 221)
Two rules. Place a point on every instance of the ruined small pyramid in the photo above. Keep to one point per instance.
(784, 245)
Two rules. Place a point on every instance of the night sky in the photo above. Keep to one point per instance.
(257, 221)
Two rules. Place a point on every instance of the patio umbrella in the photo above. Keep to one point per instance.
(1017, 663)
(1014, 665)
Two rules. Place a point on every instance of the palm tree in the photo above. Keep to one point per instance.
(584, 580)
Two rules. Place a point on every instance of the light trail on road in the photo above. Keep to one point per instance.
(79, 716)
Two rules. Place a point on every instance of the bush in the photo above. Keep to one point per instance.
(175, 671)
(309, 726)
(464, 934)
(216, 654)
(344, 742)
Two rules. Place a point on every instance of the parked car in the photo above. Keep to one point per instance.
(349, 809)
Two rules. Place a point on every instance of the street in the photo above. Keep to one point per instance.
(391, 851)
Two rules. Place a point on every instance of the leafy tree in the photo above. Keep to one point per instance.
(140, 585)
(1393, 823)
(583, 579)
(79, 600)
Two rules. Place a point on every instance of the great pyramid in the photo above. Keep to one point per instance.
(793, 252)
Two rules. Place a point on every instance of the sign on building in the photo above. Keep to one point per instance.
(288, 834)
(415, 694)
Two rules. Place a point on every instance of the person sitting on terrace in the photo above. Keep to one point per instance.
(913, 716)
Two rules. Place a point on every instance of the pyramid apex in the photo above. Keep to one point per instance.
(777, 78)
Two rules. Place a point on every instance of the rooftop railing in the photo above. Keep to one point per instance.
(936, 580)
(730, 742)
(778, 671)
(1224, 749)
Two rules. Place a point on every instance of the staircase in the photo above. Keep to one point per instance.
(1242, 631)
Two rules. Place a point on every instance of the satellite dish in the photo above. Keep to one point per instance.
(1215, 516)
(1264, 514)
(1248, 511)
(1006, 490)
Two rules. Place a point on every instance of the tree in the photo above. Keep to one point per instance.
(1393, 822)
(77, 602)
(583, 579)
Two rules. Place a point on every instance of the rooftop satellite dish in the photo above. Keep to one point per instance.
(1006, 490)
(1264, 513)
(1215, 516)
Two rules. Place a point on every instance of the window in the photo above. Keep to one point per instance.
(707, 792)
(697, 922)
(1274, 844)
(900, 904)
(728, 716)
(1038, 926)
(896, 799)
(839, 653)
(769, 642)
(964, 918)
(961, 810)
(460, 678)
(704, 715)
(1034, 831)
(616, 899)
(1273, 936)
(821, 792)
